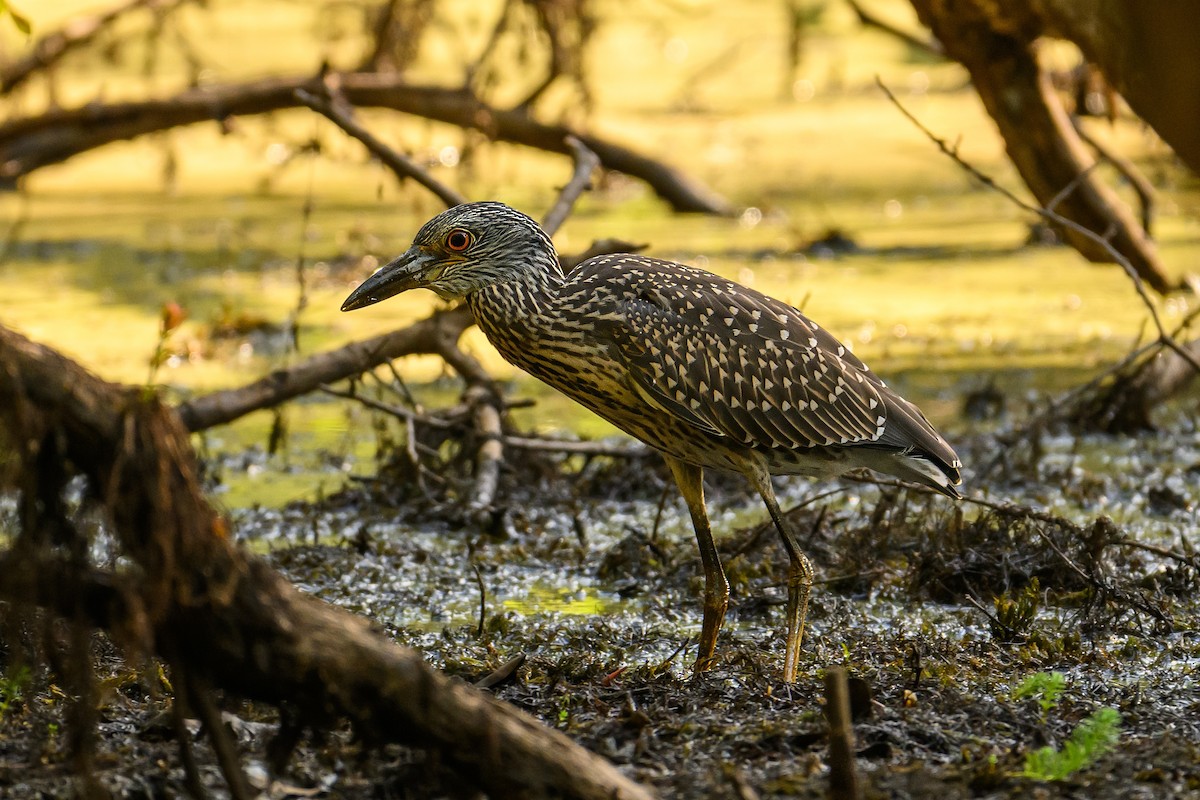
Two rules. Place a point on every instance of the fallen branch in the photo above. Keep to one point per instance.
(490, 455)
(402, 167)
(29, 143)
(581, 179)
(236, 624)
(428, 336)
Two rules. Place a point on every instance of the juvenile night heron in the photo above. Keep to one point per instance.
(707, 372)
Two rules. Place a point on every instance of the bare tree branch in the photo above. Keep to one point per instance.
(402, 167)
(869, 20)
(29, 143)
(585, 164)
(996, 43)
(426, 336)
(1129, 171)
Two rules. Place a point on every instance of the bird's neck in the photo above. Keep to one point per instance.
(517, 315)
(528, 293)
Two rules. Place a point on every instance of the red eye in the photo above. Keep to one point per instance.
(458, 240)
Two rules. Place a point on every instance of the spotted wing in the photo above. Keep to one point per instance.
(733, 361)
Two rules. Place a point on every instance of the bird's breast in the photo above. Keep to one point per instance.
(558, 351)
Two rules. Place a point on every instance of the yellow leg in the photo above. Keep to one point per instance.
(800, 571)
(690, 480)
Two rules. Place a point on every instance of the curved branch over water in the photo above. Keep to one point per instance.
(29, 143)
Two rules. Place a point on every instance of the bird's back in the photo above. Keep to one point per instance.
(722, 370)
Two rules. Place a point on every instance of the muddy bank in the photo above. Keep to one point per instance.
(939, 612)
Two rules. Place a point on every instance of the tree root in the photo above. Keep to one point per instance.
(200, 601)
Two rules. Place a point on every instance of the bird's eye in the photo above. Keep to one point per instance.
(458, 240)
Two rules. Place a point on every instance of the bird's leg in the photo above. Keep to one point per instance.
(690, 480)
(800, 571)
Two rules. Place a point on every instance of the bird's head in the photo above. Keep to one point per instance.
(463, 250)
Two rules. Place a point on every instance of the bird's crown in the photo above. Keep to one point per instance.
(479, 232)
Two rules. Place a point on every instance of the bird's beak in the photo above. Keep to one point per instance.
(399, 275)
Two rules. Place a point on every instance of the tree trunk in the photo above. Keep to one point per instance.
(1149, 52)
(996, 44)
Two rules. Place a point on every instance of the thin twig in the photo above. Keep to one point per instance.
(658, 512)
(869, 20)
(1004, 508)
(1058, 219)
(762, 529)
(301, 258)
(1189, 561)
(401, 166)
(992, 618)
(1070, 188)
(447, 422)
(400, 386)
(482, 596)
(1142, 187)
(390, 408)
(585, 164)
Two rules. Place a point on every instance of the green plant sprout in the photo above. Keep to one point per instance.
(1091, 739)
(12, 687)
(1046, 687)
